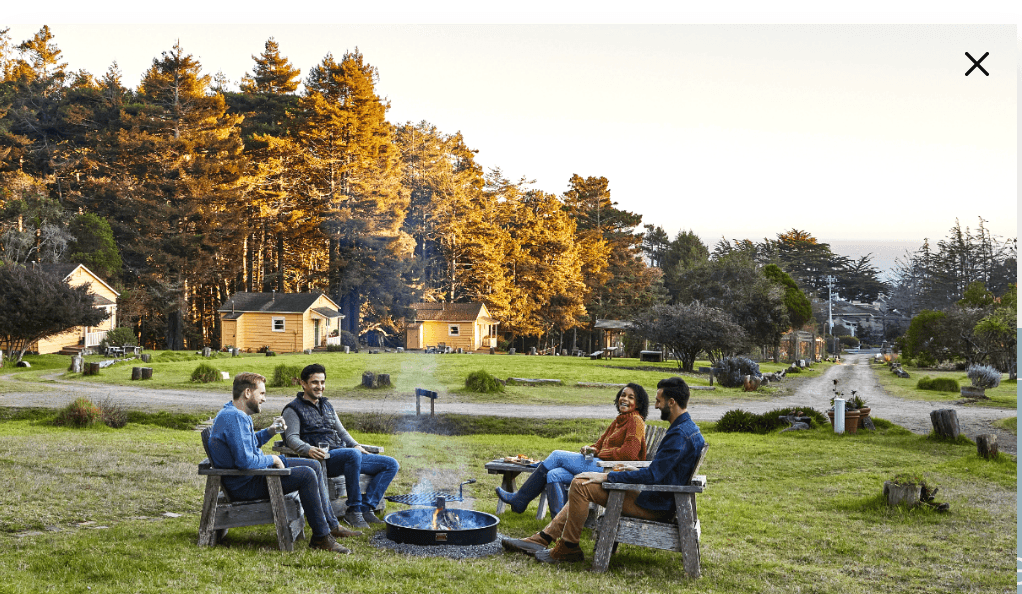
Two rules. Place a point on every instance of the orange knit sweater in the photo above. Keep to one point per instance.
(625, 439)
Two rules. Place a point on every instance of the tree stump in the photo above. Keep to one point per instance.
(136, 373)
(92, 369)
(973, 392)
(511, 351)
(532, 350)
(146, 357)
(147, 373)
(898, 494)
(945, 423)
(493, 351)
(383, 380)
(368, 379)
(206, 351)
(986, 446)
(77, 364)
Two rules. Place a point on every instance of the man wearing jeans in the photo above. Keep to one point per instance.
(673, 464)
(311, 421)
(234, 443)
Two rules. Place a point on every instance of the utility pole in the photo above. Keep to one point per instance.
(830, 303)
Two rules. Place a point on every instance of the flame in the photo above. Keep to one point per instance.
(436, 514)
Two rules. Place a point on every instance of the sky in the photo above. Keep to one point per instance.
(865, 135)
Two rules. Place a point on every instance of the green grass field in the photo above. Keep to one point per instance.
(443, 373)
(1003, 396)
(82, 511)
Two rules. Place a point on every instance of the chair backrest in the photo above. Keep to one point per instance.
(205, 443)
(699, 462)
(654, 435)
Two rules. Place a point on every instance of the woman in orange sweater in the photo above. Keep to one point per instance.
(625, 439)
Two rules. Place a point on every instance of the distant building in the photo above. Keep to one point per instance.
(284, 322)
(104, 297)
(457, 325)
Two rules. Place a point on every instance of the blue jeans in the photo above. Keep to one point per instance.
(562, 466)
(304, 478)
(350, 463)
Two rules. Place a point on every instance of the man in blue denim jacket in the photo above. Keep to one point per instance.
(673, 464)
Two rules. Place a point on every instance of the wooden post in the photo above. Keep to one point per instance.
(383, 380)
(77, 364)
(945, 423)
(146, 357)
(136, 373)
(147, 373)
(92, 369)
(368, 379)
(986, 446)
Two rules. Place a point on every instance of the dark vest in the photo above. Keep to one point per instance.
(316, 422)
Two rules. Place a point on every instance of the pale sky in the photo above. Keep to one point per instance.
(851, 132)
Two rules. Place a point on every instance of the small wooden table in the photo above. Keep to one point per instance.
(510, 472)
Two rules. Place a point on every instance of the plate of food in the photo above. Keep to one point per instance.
(521, 459)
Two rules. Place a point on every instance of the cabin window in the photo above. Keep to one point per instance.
(277, 324)
(454, 330)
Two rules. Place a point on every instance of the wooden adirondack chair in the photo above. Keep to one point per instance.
(220, 513)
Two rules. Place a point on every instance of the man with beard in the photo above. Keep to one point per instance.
(311, 421)
(673, 463)
(234, 443)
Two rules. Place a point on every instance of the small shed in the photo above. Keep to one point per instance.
(284, 322)
(458, 325)
(613, 332)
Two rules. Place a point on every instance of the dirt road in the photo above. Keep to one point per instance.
(854, 374)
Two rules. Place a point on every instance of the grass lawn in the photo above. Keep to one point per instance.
(443, 373)
(792, 512)
(1003, 396)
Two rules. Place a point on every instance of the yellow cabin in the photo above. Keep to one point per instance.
(104, 297)
(457, 325)
(285, 322)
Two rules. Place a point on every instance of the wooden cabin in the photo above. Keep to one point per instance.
(284, 322)
(104, 297)
(457, 325)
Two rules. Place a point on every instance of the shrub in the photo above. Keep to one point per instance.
(984, 376)
(729, 371)
(925, 359)
(741, 421)
(335, 348)
(285, 375)
(849, 341)
(940, 384)
(114, 415)
(119, 337)
(348, 339)
(80, 413)
(206, 373)
(482, 382)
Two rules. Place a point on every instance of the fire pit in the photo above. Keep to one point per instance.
(437, 525)
(441, 526)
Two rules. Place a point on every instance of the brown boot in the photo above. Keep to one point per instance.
(561, 553)
(327, 543)
(342, 532)
(529, 546)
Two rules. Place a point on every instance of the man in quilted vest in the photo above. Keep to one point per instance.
(311, 421)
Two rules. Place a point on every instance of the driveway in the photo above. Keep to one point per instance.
(854, 374)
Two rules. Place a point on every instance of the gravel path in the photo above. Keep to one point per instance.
(854, 374)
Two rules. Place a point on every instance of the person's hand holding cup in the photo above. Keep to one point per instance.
(325, 448)
(278, 425)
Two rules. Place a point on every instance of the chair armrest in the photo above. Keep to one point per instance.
(280, 448)
(693, 488)
(632, 463)
(205, 468)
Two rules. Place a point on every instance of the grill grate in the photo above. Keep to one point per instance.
(425, 498)
(429, 497)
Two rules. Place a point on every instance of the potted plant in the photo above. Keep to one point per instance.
(982, 377)
(860, 403)
(852, 412)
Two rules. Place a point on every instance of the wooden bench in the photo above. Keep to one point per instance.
(337, 486)
(219, 513)
(509, 472)
(682, 535)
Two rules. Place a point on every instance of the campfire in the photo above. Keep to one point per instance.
(439, 525)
